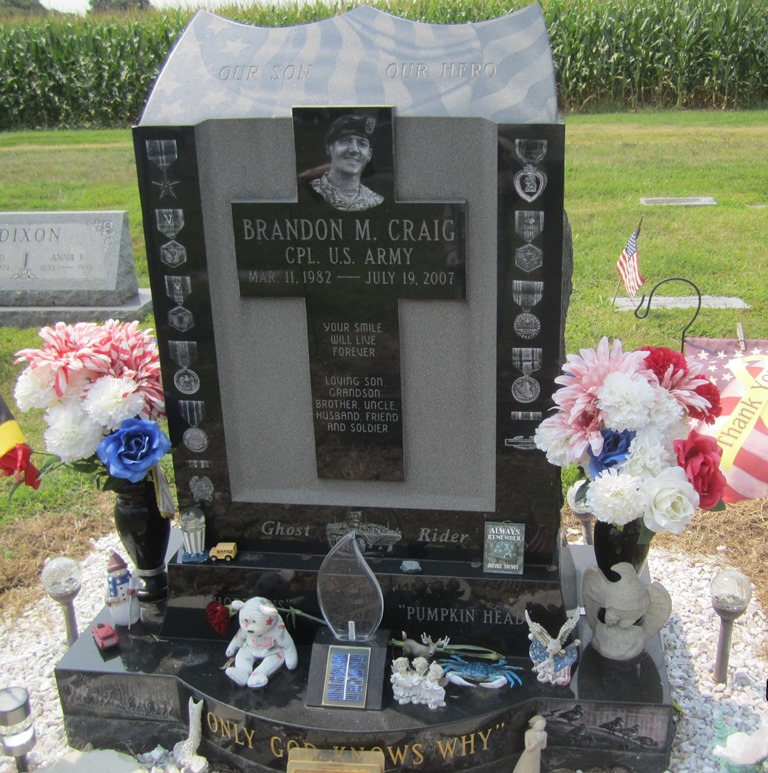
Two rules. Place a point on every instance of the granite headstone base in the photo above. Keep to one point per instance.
(35, 316)
(447, 598)
(612, 715)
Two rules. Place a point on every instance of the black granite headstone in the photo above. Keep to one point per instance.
(362, 342)
(306, 395)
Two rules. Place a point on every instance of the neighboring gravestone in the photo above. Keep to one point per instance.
(67, 266)
(361, 276)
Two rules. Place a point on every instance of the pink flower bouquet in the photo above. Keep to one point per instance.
(102, 393)
(626, 419)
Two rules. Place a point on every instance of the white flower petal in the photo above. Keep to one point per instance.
(71, 433)
(626, 400)
(649, 453)
(34, 389)
(111, 400)
(670, 501)
(615, 498)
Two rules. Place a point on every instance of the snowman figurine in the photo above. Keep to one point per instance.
(121, 592)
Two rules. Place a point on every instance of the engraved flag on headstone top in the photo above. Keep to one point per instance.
(742, 428)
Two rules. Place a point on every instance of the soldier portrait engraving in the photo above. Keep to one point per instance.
(349, 149)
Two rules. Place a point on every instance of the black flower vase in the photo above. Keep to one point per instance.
(144, 534)
(616, 546)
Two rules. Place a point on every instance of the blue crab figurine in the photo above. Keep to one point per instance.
(491, 675)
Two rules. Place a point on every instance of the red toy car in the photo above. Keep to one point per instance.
(104, 635)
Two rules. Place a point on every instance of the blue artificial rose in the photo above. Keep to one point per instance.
(615, 450)
(134, 448)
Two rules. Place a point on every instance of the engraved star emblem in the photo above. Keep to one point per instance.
(166, 187)
(235, 47)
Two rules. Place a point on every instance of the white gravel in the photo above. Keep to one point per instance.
(30, 648)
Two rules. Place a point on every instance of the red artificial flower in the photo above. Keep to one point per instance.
(711, 394)
(17, 462)
(218, 616)
(660, 358)
(699, 455)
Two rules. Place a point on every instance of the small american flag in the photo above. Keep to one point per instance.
(629, 265)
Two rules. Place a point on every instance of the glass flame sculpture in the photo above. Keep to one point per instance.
(348, 592)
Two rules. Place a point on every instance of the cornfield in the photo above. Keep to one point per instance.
(609, 54)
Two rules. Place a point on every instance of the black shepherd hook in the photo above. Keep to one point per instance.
(641, 315)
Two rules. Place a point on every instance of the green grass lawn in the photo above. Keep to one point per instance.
(611, 162)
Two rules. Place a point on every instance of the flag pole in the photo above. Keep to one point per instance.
(616, 294)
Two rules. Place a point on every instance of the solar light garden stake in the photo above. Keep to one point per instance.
(17, 733)
(731, 592)
(61, 579)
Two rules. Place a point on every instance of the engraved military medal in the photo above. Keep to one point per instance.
(194, 438)
(169, 221)
(177, 288)
(528, 225)
(162, 153)
(526, 295)
(201, 488)
(526, 389)
(530, 181)
(184, 353)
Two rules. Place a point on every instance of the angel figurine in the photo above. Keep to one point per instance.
(632, 612)
(552, 659)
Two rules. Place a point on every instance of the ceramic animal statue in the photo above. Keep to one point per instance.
(474, 674)
(427, 649)
(633, 611)
(263, 640)
(552, 660)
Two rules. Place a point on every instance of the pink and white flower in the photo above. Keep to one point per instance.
(90, 378)
(639, 404)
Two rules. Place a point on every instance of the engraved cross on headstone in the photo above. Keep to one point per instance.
(352, 266)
